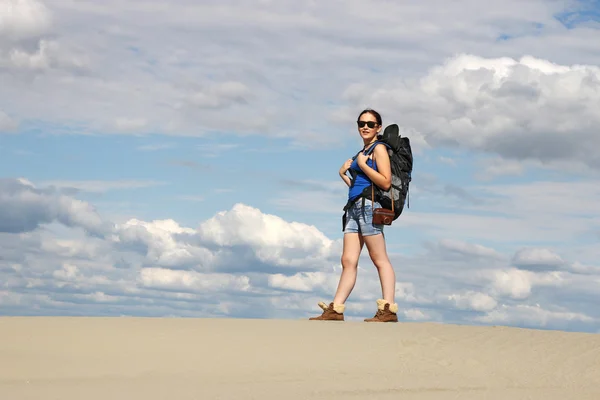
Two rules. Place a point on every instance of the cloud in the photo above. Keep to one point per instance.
(515, 108)
(155, 147)
(247, 225)
(304, 282)
(243, 262)
(23, 208)
(7, 124)
(157, 241)
(537, 259)
(127, 124)
(248, 68)
(26, 42)
(535, 316)
(512, 282)
(471, 250)
(460, 193)
(220, 95)
(312, 196)
(23, 19)
(532, 211)
(99, 186)
(497, 167)
(473, 301)
(190, 281)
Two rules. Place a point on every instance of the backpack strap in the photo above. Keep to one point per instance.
(373, 189)
(375, 143)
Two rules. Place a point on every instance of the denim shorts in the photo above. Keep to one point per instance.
(359, 219)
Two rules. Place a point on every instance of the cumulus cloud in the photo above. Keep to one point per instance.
(537, 259)
(556, 212)
(157, 241)
(250, 68)
(521, 109)
(244, 262)
(274, 240)
(220, 95)
(535, 316)
(512, 282)
(26, 42)
(476, 301)
(23, 208)
(305, 282)
(470, 250)
(23, 19)
(190, 281)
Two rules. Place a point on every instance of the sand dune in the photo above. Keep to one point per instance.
(179, 359)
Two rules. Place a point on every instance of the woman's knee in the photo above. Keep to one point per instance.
(349, 261)
(381, 261)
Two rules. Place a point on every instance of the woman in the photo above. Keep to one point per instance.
(359, 228)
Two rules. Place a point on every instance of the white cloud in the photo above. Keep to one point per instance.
(497, 167)
(560, 213)
(100, 186)
(23, 19)
(521, 109)
(537, 259)
(448, 160)
(243, 68)
(244, 262)
(26, 27)
(7, 124)
(581, 268)
(220, 95)
(67, 272)
(476, 301)
(156, 147)
(304, 281)
(126, 124)
(415, 315)
(250, 68)
(511, 282)
(534, 316)
(274, 239)
(467, 249)
(191, 281)
(157, 241)
(23, 208)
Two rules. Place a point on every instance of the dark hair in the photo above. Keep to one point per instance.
(372, 112)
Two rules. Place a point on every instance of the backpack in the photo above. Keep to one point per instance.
(401, 163)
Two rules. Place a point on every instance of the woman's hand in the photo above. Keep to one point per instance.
(345, 166)
(361, 159)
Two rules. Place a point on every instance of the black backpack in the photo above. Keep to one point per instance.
(401, 162)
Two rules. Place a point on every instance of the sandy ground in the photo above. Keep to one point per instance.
(180, 359)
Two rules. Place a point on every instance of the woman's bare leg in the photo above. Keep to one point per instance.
(353, 244)
(378, 253)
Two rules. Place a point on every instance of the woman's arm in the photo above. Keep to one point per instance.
(346, 179)
(382, 177)
(343, 170)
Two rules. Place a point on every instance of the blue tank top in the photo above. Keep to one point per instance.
(362, 180)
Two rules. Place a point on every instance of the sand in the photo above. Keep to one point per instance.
(44, 358)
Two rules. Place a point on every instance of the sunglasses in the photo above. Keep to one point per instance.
(370, 124)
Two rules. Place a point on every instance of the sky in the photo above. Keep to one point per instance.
(180, 158)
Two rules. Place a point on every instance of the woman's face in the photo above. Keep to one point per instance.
(367, 126)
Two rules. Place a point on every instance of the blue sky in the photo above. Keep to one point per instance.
(181, 159)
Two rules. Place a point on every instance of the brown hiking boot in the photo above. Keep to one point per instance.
(331, 312)
(386, 312)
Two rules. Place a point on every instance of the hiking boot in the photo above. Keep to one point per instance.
(331, 312)
(386, 312)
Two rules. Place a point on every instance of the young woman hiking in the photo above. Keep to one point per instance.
(359, 228)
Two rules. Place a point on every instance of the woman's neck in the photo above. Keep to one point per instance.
(369, 142)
